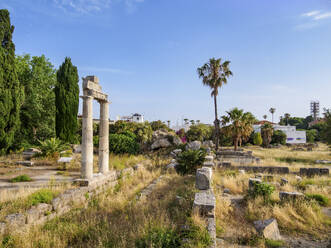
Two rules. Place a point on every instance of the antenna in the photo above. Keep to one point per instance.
(315, 109)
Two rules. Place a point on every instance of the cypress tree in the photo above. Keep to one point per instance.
(66, 101)
(11, 93)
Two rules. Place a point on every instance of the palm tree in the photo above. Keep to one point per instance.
(265, 117)
(287, 116)
(198, 121)
(266, 133)
(168, 123)
(214, 74)
(272, 111)
(240, 125)
(186, 121)
(192, 122)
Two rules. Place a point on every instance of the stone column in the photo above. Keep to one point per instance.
(87, 138)
(104, 137)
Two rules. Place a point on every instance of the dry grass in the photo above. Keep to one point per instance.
(284, 156)
(17, 201)
(117, 219)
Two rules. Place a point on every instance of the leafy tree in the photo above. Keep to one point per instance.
(286, 117)
(199, 132)
(326, 132)
(272, 111)
(240, 125)
(157, 125)
(189, 161)
(278, 137)
(123, 143)
(38, 77)
(214, 74)
(11, 92)
(311, 135)
(66, 101)
(257, 139)
(266, 133)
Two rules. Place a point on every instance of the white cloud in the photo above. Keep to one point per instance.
(322, 16)
(311, 13)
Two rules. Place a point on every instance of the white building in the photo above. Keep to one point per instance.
(292, 135)
(133, 118)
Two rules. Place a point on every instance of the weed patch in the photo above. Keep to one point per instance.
(21, 178)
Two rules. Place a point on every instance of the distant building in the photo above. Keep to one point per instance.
(132, 118)
(292, 135)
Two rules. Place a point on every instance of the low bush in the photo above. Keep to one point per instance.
(52, 147)
(261, 189)
(189, 161)
(320, 199)
(21, 178)
(278, 137)
(121, 143)
(159, 237)
(274, 243)
(257, 139)
(41, 196)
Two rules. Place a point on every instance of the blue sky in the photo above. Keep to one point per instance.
(145, 52)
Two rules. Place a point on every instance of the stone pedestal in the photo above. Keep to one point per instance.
(104, 137)
(87, 138)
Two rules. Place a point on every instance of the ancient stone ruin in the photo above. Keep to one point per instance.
(91, 91)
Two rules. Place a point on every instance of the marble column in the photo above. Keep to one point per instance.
(104, 137)
(87, 138)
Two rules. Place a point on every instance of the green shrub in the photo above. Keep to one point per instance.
(320, 199)
(121, 143)
(189, 161)
(21, 178)
(159, 237)
(274, 243)
(199, 132)
(311, 135)
(278, 137)
(261, 189)
(257, 139)
(41, 196)
(52, 147)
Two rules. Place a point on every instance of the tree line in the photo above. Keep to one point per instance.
(36, 100)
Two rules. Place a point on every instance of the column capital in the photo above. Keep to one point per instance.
(86, 97)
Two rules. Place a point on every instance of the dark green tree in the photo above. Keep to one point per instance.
(326, 131)
(38, 77)
(11, 92)
(66, 101)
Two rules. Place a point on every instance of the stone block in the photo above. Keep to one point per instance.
(253, 181)
(242, 172)
(310, 172)
(25, 163)
(35, 213)
(268, 229)
(283, 181)
(209, 158)
(292, 196)
(211, 228)
(64, 160)
(204, 203)
(161, 143)
(138, 167)
(203, 178)
(15, 220)
(208, 164)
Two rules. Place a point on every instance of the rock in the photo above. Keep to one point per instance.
(77, 148)
(208, 143)
(171, 166)
(298, 178)
(176, 140)
(208, 164)
(226, 191)
(194, 145)
(138, 167)
(2, 228)
(208, 150)
(15, 220)
(209, 158)
(25, 163)
(253, 181)
(268, 229)
(314, 171)
(283, 181)
(161, 143)
(259, 175)
(242, 172)
(177, 151)
(203, 178)
(65, 160)
(290, 196)
(37, 212)
(204, 203)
